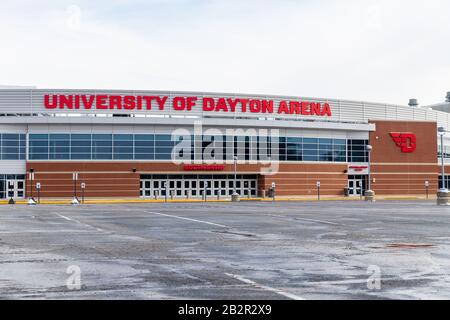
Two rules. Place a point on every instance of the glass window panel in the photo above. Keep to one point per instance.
(80, 136)
(123, 156)
(59, 136)
(339, 142)
(144, 137)
(10, 156)
(123, 144)
(123, 137)
(326, 141)
(143, 150)
(164, 137)
(35, 136)
(144, 143)
(102, 156)
(80, 149)
(80, 156)
(102, 137)
(39, 156)
(160, 150)
(144, 156)
(162, 157)
(39, 143)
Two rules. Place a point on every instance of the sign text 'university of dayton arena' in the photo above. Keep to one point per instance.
(232, 105)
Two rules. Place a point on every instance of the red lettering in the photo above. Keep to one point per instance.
(232, 103)
(161, 102)
(179, 103)
(65, 101)
(208, 104)
(294, 107)
(315, 109)
(191, 102)
(88, 103)
(139, 103)
(100, 102)
(267, 106)
(115, 102)
(129, 102)
(305, 109)
(77, 102)
(148, 102)
(255, 106)
(326, 110)
(283, 108)
(244, 104)
(221, 105)
(50, 105)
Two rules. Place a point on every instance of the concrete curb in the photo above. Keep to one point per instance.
(125, 201)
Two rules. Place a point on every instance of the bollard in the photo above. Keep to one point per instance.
(264, 194)
(369, 196)
(443, 198)
(171, 195)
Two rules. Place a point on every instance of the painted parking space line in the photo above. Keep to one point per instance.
(189, 219)
(265, 288)
(76, 221)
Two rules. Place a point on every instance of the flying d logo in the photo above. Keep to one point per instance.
(406, 141)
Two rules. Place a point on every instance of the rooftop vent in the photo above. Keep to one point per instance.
(413, 103)
(447, 98)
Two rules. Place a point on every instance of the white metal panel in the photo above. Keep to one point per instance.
(12, 167)
(31, 102)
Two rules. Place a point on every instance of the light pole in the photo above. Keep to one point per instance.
(443, 194)
(235, 195)
(369, 194)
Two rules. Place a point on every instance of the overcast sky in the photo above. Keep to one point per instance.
(375, 50)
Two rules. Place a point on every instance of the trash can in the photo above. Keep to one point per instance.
(347, 192)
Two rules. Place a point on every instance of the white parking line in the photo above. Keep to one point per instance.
(189, 219)
(266, 288)
(76, 221)
(67, 218)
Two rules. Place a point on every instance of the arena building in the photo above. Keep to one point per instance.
(189, 144)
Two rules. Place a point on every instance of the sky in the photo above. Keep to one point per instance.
(370, 50)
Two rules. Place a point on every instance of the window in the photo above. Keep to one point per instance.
(38, 147)
(12, 146)
(59, 147)
(80, 147)
(123, 146)
(357, 151)
(102, 147)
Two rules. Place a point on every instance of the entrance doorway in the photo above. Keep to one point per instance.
(356, 185)
(196, 186)
(12, 186)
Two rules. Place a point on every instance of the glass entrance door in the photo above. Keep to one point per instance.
(196, 186)
(356, 185)
(15, 188)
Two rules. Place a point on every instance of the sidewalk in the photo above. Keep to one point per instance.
(67, 201)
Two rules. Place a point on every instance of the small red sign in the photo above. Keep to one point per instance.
(405, 140)
(203, 167)
(358, 168)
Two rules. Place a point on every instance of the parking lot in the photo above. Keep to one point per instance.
(282, 250)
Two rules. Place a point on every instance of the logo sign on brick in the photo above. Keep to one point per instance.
(406, 141)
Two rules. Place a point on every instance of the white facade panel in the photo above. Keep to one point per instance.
(12, 167)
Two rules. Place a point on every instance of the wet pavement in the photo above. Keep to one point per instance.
(282, 250)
